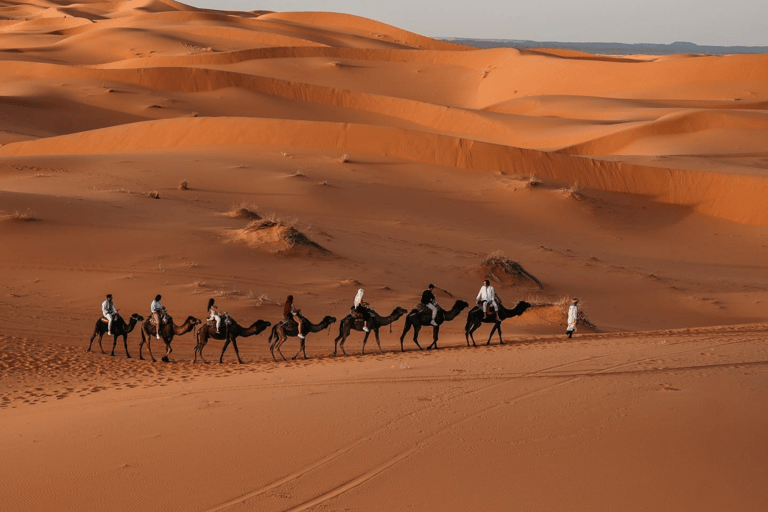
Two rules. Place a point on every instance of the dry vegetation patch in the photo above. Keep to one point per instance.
(275, 235)
(244, 210)
(496, 267)
(21, 216)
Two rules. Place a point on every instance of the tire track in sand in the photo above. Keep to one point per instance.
(413, 449)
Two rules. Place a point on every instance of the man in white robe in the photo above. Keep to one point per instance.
(573, 317)
(487, 297)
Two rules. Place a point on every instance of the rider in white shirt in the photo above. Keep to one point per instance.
(213, 314)
(488, 297)
(109, 311)
(157, 309)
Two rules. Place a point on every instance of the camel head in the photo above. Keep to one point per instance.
(460, 305)
(260, 325)
(137, 317)
(398, 312)
(329, 319)
(192, 320)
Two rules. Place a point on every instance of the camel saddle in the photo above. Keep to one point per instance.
(165, 319)
(226, 319)
(359, 316)
(114, 317)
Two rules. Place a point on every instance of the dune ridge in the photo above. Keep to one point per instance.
(738, 198)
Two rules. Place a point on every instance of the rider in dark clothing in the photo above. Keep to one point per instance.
(427, 296)
(428, 300)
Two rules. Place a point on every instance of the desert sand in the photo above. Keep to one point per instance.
(148, 147)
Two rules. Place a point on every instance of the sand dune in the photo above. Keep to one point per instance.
(151, 147)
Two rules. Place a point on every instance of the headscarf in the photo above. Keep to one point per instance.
(359, 297)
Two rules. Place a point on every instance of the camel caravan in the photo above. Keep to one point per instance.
(362, 317)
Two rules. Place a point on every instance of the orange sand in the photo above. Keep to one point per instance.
(637, 183)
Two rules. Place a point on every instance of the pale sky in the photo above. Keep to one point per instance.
(704, 22)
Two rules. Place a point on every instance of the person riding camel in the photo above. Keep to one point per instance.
(428, 300)
(361, 308)
(487, 296)
(157, 310)
(109, 312)
(213, 314)
(289, 312)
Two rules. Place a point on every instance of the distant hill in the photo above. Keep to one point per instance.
(680, 47)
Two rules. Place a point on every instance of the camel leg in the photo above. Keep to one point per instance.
(435, 332)
(365, 340)
(93, 337)
(472, 335)
(101, 335)
(416, 329)
(202, 341)
(301, 348)
(278, 344)
(406, 328)
(149, 346)
(234, 345)
(141, 345)
(336, 345)
(237, 351)
(125, 342)
(501, 341)
(469, 329)
(114, 344)
(378, 341)
(471, 332)
(168, 351)
(224, 349)
(96, 332)
(343, 341)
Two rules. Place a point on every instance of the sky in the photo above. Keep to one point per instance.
(704, 22)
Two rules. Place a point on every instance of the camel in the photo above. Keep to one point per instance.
(350, 322)
(167, 331)
(119, 328)
(419, 317)
(475, 318)
(230, 331)
(283, 330)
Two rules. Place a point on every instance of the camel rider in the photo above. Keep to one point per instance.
(361, 308)
(573, 316)
(487, 296)
(157, 310)
(428, 300)
(289, 312)
(213, 314)
(109, 312)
